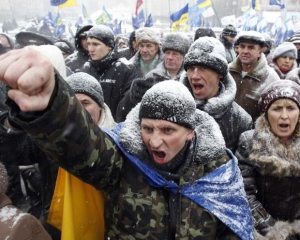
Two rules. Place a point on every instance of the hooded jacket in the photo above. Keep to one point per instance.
(134, 207)
(271, 173)
(250, 86)
(232, 119)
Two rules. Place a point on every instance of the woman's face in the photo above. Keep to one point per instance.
(283, 116)
(285, 63)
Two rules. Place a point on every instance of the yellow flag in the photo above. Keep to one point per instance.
(77, 209)
(257, 5)
(68, 3)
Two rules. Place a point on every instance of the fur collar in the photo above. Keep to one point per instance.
(161, 72)
(218, 105)
(272, 157)
(294, 75)
(106, 119)
(210, 144)
(279, 72)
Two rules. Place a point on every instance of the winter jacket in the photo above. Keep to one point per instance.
(232, 118)
(16, 225)
(135, 207)
(126, 53)
(76, 60)
(230, 53)
(271, 173)
(159, 74)
(294, 75)
(250, 86)
(114, 74)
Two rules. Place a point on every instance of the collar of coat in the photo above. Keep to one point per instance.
(210, 144)
(271, 156)
(294, 75)
(162, 73)
(259, 71)
(216, 106)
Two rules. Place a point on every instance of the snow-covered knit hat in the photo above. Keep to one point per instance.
(171, 101)
(295, 38)
(229, 30)
(251, 36)
(268, 40)
(147, 34)
(177, 42)
(3, 179)
(208, 52)
(204, 32)
(102, 33)
(278, 90)
(84, 83)
(285, 49)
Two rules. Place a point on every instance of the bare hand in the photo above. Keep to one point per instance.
(30, 75)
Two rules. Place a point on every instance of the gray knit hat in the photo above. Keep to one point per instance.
(295, 38)
(102, 33)
(171, 101)
(250, 36)
(286, 49)
(278, 90)
(84, 83)
(3, 179)
(177, 42)
(208, 52)
(147, 34)
(229, 30)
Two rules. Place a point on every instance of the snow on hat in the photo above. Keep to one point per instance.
(25, 38)
(171, 101)
(84, 83)
(229, 30)
(279, 90)
(147, 34)
(208, 52)
(268, 40)
(285, 49)
(204, 32)
(102, 33)
(251, 36)
(295, 38)
(177, 42)
(3, 179)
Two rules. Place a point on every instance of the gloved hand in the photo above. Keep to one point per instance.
(138, 88)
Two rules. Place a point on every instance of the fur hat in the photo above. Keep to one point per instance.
(25, 38)
(171, 101)
(286, 49)
(204, 32)
(102, 33)
(208, 52)
(147, 34)
(3, 179)
(279, 90)
(177, 42)
(229, 30)
(251, 36)
(84, 83)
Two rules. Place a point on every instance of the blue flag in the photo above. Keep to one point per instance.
(277, 2)
(149, 22)
(60, 30)
(177, 15)
(79, 22)
(57, 2)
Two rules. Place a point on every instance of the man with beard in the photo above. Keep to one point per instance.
(227, 38)
(106, 66)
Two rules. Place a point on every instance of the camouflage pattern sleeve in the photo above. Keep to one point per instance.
(69, 136)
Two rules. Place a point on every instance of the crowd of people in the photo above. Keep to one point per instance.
(165, 137)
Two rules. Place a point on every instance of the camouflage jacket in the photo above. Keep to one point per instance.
(134, 209)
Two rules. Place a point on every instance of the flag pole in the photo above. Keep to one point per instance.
(169, 16)
(213, 7)
(283, 12)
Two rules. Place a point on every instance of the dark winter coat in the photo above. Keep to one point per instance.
(126, 53)
(294, 75)
(158, 74)
(251, 86)
(76, 60)
(16, 225)
(114, 75)
(232, 119)
(134, 208)
(229, 50)
(271, 173)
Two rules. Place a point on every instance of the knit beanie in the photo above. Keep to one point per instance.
(102, 33)
(176, 42)
(171, 101)
(208, 52)
(147, 34)
(279, 90)
(3, 179)
(84, 83)
(204, 32)
(286, 49)
(295, 38)
(131, 39)
(229, 30)
(251, 36)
